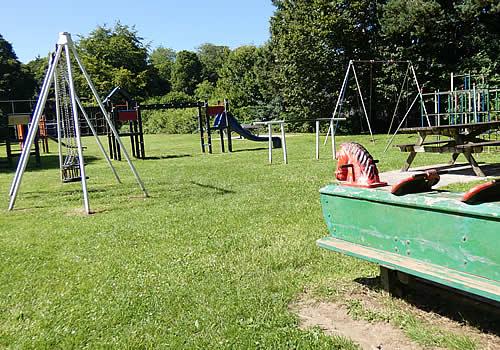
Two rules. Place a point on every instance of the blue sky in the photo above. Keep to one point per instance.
(32, 26)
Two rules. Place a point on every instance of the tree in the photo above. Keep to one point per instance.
(115, 57)
(186, 73)
(38, 69)
(16, 82)
(312, 43)
(212, 57)
(444, 36)
(162, 59)
(238, 78)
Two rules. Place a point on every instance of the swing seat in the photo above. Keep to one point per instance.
(71, 173)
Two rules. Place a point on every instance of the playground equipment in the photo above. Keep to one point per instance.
(433, 236)
(470, 100)
(125, 110)
(224, 121)
(14, 125)
(410, 70)
(15, 130)
(221, 123)
(332, 129)
(275, 142)
(356, 167)
(60, 76)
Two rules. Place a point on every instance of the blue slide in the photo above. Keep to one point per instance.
(220, 123)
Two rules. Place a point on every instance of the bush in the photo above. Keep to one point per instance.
(170, 121)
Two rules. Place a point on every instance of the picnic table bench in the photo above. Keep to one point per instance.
(462, 139)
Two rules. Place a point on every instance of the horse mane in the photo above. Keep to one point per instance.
(360, 155)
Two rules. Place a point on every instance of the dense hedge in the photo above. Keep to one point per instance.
(170, 121)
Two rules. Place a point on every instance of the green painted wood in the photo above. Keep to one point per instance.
(465, 282)
(433, 228)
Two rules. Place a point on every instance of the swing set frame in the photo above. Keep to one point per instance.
(351, 69)
(66, 45)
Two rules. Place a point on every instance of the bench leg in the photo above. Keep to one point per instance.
(474, 164)
(454, 157)
(409, 160)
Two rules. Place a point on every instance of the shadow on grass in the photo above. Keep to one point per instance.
(452, 304)
(249, 149)
(50, 161)
(173, 156)
(217, 189)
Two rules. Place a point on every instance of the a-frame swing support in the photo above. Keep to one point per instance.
(65, 43)
(340, 99)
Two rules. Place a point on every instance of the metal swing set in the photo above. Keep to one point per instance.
(410, 74)
(71, 161)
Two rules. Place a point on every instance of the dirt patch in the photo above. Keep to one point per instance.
(334, 319)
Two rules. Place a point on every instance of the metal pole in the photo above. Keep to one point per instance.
(112, 127)
(228, 127)
(474, 104)
(141, 131)
(76, 123)
(58, 124)
(101, 147)
(317, 139)
(341, 94)
(362, 103)
(334, 148)
(420, 95)
(283, 141)
(400, 124)
(207, 124)
(21, 167)
(200, 125)
(399, 99)
(39, 105)
(270, 134)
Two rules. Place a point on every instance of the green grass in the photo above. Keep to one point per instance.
(211, 260)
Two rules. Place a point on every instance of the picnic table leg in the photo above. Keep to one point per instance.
(474, 164)
(413, 154)
(454, 157)
(409, 160)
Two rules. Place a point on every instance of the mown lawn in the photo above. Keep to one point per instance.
(211, 260)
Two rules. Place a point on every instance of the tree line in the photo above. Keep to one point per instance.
(297, 74)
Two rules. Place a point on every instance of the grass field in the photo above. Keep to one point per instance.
(211, 260)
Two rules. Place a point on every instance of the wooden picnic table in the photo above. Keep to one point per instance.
(462, 139)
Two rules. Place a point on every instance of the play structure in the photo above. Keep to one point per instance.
(411, 230)
(272, 141)
(124, 111)
(14, 129)
(14, 125)
(470, 99)
(409, 76)
(69, 108)
(225, 123)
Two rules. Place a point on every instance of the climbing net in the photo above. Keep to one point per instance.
(70, 167)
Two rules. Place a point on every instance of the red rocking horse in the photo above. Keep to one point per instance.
(356, 167)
